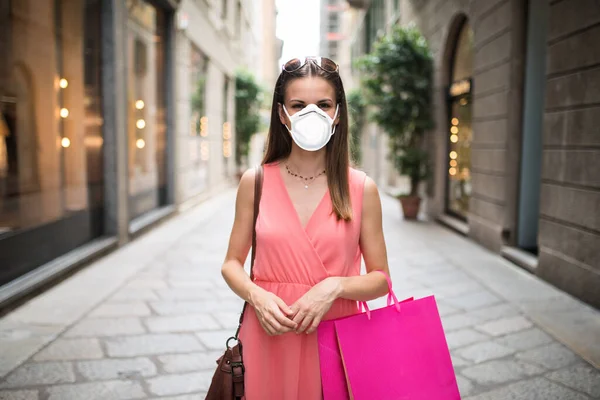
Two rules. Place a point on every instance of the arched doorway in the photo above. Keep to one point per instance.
(460, 133)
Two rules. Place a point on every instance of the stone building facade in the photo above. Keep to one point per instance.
(213, 40)
(515, 149)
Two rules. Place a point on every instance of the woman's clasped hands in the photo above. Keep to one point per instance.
(272, 312)
(304, 316)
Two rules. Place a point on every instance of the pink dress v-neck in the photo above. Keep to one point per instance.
(290, 260)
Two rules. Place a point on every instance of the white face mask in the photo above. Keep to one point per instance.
(311, 127)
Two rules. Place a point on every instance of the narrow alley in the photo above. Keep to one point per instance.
(149, 320)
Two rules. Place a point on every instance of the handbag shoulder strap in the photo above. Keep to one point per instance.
(258, 182)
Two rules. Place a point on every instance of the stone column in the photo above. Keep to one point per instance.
(172, 177)
(116, 180)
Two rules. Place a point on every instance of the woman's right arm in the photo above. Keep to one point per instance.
(270, 309)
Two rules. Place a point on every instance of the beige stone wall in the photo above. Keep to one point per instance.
(569, 221)
(497, 91)
(570, 193)
(269, 55)
(226, 47)
(242, 39)
(373, 141)
(569, 230)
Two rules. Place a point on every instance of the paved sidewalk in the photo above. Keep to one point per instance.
(148, 321)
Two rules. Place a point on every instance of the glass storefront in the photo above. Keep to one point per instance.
(51, 143)
(146, 122)
(460, 133)
(199, 145)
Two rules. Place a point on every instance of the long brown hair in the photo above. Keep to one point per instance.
(337, 158)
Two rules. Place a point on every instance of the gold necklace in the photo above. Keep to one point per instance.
(305, 180)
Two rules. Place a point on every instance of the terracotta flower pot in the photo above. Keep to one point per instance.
(410, 206)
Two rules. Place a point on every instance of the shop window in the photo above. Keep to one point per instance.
(147, 130)
(198, 77)
(334, 22)
(199, 144)
(333, 50)
(51, 142)
(224, 9)
(460, 133)
(374, 23)
(368, 31)
(238, 20)
(226, 128)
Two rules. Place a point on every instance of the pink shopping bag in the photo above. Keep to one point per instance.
(398, 353)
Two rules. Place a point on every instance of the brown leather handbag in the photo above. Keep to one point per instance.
(228, 380)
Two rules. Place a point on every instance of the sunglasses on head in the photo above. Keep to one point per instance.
(324, 63)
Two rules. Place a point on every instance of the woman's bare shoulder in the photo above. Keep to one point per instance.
(246, 187)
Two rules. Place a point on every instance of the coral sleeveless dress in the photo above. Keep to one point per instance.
(290, 259)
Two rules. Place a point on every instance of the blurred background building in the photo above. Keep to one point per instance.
(114, 115)
(515, 150)
(332, 12)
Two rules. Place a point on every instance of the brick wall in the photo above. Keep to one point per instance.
(570, 193)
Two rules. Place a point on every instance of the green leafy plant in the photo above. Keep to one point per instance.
(198, 96)
(248, 100)
(397, 77)
(357, 106)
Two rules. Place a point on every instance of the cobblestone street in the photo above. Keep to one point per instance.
(149, 320)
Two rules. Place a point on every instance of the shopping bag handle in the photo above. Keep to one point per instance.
(391, 296)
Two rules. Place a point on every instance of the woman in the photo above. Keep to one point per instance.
(317, 218)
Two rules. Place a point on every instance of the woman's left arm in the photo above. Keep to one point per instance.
(372, 244)
(309, 309)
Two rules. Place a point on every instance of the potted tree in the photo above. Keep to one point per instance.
(397, 79)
